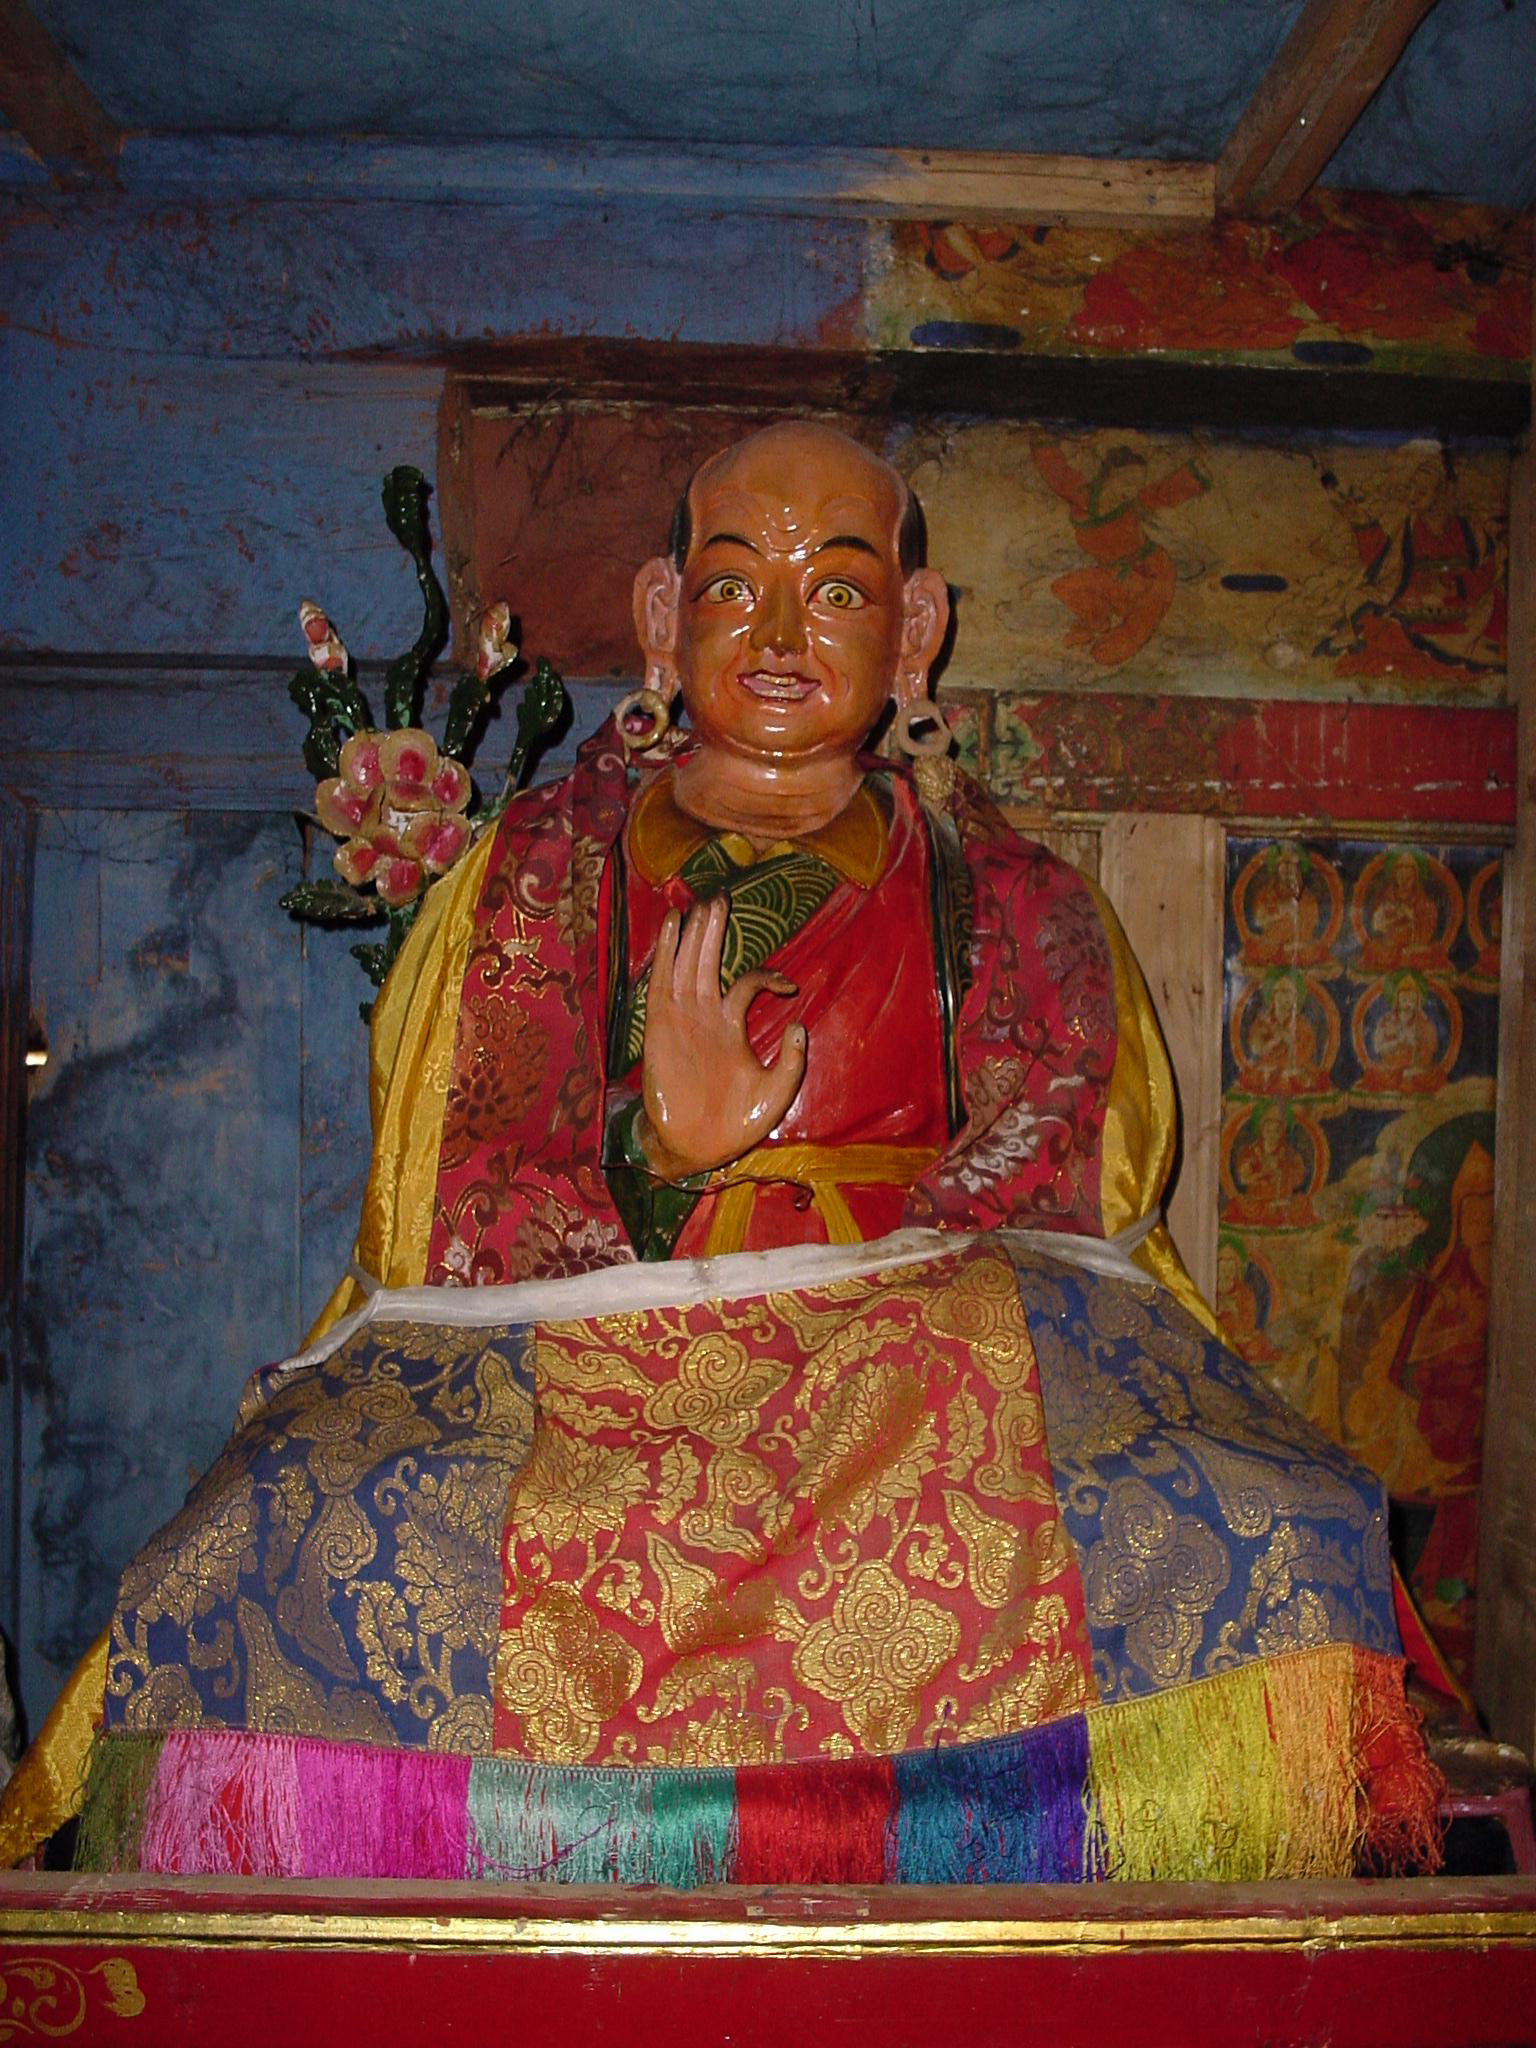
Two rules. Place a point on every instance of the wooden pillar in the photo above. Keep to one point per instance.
(16, 841)
(1506, 1630)
(1164, 875)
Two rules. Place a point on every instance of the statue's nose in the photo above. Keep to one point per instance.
(779, 626)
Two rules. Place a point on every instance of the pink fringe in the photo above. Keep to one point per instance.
(288, 1806)
(383, 1812)
(223, 1805)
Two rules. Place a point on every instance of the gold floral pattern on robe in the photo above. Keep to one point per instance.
(812, 1524)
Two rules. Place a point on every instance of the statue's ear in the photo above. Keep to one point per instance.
(924, 622)
(658, 613)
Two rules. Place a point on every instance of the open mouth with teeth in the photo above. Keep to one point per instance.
(778, 689)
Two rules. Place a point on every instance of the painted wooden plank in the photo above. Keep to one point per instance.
(1226, 758)
(1165, 878)
(1205, 565)
(1324, 75)
(1506, 1646)
(1180, 563)
(162, 1210)
(159, 735)
(1358, 282)
(1347, 283)
(45, 99)
(744, 175)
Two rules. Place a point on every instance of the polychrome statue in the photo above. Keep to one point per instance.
(767, 1434)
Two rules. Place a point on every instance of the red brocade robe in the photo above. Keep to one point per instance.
(992, 1079)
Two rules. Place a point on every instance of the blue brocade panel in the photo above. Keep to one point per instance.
(1212, 1524)
(337, 1571)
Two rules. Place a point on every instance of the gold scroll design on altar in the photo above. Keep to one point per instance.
(45, 2000)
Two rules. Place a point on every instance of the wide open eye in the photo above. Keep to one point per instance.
(841, 597)
(727, 589)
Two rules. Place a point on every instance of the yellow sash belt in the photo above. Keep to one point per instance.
(823, 1170)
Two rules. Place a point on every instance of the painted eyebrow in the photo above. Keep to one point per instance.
(848, 540)
(737, 539)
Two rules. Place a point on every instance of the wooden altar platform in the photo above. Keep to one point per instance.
(149, 1962)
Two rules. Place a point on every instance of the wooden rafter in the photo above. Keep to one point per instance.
(49, 105)
(1324, 76)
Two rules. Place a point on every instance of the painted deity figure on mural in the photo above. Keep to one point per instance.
(1404, 1042)
(1283, 1049)
(1285, 914)
(1405, 919)
(767, 1434)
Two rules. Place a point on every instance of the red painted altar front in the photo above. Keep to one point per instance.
(1431, 1963)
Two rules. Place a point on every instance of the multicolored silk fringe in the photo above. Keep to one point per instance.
(1203, 1781)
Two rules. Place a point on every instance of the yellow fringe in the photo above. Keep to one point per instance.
(1251, 1774)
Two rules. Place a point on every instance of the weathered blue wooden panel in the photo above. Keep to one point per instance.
(315, 277)
(160, 1259)
(333, 1083)
(150, 738)
(147, 505)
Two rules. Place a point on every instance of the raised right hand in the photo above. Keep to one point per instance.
(708, 1097)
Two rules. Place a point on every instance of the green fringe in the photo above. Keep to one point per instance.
(118, 1777)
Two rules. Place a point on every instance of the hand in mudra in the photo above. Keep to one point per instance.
(708, 1097)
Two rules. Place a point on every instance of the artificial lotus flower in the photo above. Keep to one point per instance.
(323, 643)
(494, 647)
(398, 807)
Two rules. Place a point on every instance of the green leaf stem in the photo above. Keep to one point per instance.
(405, 511)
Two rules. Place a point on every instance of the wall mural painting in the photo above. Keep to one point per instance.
(1361, 998)
(1187, 565)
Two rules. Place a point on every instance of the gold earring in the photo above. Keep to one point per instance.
(642, 719)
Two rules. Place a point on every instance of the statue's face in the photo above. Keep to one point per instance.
(791, 612)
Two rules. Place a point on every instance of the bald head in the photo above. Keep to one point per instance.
(787, 447)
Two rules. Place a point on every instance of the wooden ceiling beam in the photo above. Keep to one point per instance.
(50, 106)
(1324, 76)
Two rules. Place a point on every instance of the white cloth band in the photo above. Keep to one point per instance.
(680, 1283)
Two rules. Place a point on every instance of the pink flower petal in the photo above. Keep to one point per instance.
(398, 880)
(408, 759)
(360, 763)
(437, 840)
(356, 861)
(450, 785)
(342, 809)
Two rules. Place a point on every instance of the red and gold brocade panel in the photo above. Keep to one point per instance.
(786, 1528)
(1357, 1167)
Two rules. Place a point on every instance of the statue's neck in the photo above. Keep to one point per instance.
(763, 800)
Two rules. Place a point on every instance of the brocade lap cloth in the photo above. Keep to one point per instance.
(978, 1568)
